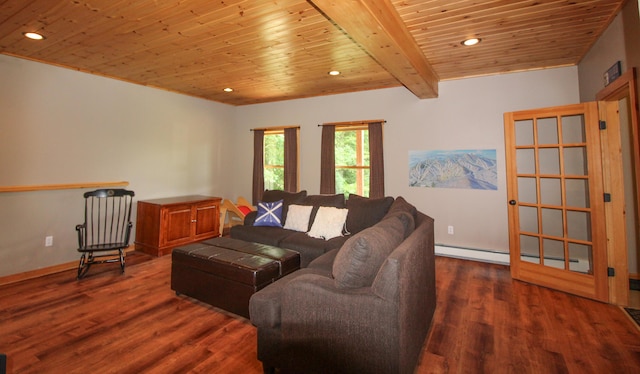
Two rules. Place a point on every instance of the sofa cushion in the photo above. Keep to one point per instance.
(269, 214)
(328, 223)
(250, 218)
(365, 212)
(406, 212)
(298, 218)
(260, 234)
(407, 220)
(325, 261)
(310, 248)
(336, 201)
(361, 256)
(287, 198)
(401, 205)
(385, 284)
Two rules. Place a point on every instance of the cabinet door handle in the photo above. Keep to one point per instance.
(194, 221)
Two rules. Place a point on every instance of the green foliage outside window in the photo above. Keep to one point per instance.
(352, 161)
(352, 169)
(274, 161)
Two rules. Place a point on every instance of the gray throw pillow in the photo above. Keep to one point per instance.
(361, 256)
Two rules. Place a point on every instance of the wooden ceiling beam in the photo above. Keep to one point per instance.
(377, 27)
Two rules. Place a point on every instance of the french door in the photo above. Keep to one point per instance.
(557, 226)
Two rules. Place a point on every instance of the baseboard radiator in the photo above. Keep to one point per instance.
(482, 255)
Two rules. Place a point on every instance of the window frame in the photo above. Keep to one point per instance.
(265, 166)
(359, 167)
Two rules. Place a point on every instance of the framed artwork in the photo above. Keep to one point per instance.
(473, 169)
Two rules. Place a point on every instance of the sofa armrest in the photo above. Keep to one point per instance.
(346, 328)
(304, 297)
(312, 304)
(265, 305)
(250, 218)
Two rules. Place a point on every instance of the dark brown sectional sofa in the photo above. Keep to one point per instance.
(363, 213)
(361, 304)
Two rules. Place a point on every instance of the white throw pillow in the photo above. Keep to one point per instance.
(328, 223)
(298, 218)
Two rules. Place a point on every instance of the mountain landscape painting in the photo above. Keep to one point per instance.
(475, 169)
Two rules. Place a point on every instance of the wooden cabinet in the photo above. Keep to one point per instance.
(163, 224)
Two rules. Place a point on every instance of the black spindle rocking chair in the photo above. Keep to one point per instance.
(104, 235)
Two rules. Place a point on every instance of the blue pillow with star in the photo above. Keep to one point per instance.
(269, 214)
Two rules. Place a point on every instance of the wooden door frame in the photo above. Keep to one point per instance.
(617, 251)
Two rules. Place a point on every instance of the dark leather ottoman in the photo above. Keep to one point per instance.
(225, 272)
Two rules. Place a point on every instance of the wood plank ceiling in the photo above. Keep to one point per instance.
(269, 50)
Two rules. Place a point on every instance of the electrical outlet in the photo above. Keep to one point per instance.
(450, 230)
(48, 241)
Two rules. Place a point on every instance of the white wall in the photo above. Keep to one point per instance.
(467, 115)
(60, 126)
(619, 42)
(608, 49)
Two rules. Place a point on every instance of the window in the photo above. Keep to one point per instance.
(352, 160)
(274, 160)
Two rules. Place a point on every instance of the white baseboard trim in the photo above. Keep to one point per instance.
(473, 254)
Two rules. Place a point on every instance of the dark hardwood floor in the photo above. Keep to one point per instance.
(134, 323)
(486, 322)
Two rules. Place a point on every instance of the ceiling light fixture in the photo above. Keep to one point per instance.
(228, 89)
(334, 72)
(471, 41)
(33, 35)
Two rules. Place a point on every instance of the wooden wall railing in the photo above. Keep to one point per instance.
(65, 186)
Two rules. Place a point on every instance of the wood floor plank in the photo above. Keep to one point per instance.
(133, 323)
(485, 322)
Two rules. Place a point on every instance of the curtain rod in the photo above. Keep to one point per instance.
(274, 128)
(353, 123)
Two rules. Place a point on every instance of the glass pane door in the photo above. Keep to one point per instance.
(553, 192)
(551, 158)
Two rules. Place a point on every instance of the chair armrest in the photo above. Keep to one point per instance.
(127, 236)
(80, 229)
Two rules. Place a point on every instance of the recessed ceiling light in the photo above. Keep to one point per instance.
(471, 41)
(228, 89)
(334, 72)
(33, 35)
